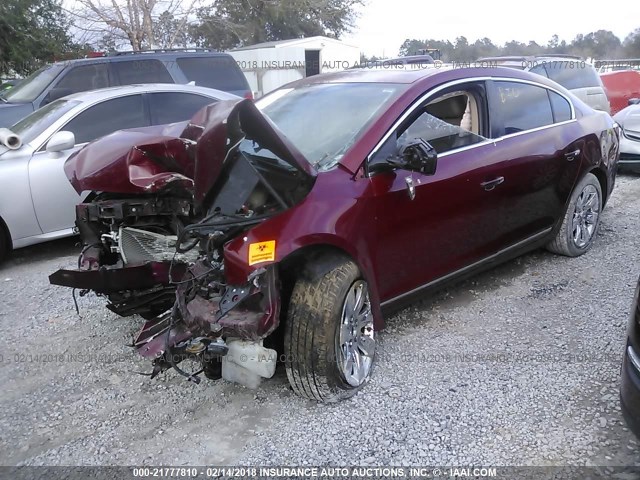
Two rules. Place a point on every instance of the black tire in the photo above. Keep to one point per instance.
(4, 241)
(564, 243)
(313, 357)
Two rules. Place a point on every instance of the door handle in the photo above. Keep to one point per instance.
(491, 184)
(571, 156)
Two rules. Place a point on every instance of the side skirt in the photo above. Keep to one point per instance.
(535, 241)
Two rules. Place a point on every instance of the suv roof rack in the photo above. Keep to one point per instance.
(161, 50)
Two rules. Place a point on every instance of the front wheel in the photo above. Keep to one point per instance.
(329, 335)
(581, 220)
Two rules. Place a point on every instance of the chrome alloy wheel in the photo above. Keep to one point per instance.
(356, 343)
(585, 216)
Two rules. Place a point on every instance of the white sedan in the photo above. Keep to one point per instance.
(37, 202)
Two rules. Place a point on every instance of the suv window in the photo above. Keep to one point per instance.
(560, 106)
(170, 107)
(141, 71)
(107, 117)
(521, 106)
(85, 77)
(31, 87)
(214, 72)
(572, 74)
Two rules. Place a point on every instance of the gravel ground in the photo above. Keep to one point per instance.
(518, 366)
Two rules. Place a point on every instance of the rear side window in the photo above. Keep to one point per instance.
(521, 106)
(107, 117)
(85, 77)
(214, 72)
(560, 106)
(572, 74)
(170, 107)
(141, 71)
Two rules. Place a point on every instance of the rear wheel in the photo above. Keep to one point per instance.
(329, 336)
(580, 223)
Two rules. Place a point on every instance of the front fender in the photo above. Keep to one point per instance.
(237, 258)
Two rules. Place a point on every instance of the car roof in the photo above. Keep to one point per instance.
(109, 92)
(371, 75)
(132, 56)
(404, 76)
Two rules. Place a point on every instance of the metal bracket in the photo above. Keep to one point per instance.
(410, 187)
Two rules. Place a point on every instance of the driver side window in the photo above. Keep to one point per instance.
(454, 119)
(448, 122)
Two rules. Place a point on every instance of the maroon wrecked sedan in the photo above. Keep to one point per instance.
(285, 229)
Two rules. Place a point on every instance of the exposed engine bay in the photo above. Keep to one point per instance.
(161, 255)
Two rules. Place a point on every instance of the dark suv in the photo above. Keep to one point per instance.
(205, 69)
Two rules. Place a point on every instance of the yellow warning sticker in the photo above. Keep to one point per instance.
(262, 252)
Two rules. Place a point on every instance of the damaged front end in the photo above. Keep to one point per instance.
(154, 233)
(220, 326)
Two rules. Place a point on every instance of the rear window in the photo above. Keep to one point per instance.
(572, 74)
(171, 107)
(522, 106)
(141, 71)
(221, 73)
(560, 106)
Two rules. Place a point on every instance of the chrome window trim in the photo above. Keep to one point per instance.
(453, 83)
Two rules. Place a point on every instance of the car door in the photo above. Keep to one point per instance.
(429, 226)
(53, 196)
(539, 158)
(170, 107)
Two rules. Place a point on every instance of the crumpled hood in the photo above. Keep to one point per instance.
(187, 155)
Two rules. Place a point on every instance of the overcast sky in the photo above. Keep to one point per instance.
(384, 24)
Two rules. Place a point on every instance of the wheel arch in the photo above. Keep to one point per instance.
(6, 234)
(604, 183)
(315, 256)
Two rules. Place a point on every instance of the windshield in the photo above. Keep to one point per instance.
(33, 125)
(32, 86)
(324, 119)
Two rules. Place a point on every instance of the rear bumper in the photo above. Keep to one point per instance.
(111, 280)
(630, 389)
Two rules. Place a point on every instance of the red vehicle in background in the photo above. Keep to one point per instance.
(621, 86)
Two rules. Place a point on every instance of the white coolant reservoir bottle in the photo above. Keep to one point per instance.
(247, 362)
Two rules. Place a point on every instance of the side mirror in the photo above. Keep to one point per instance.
(634, 101)
(60, 141)
(418, 156)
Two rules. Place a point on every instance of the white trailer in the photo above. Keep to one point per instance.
(270, 65)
